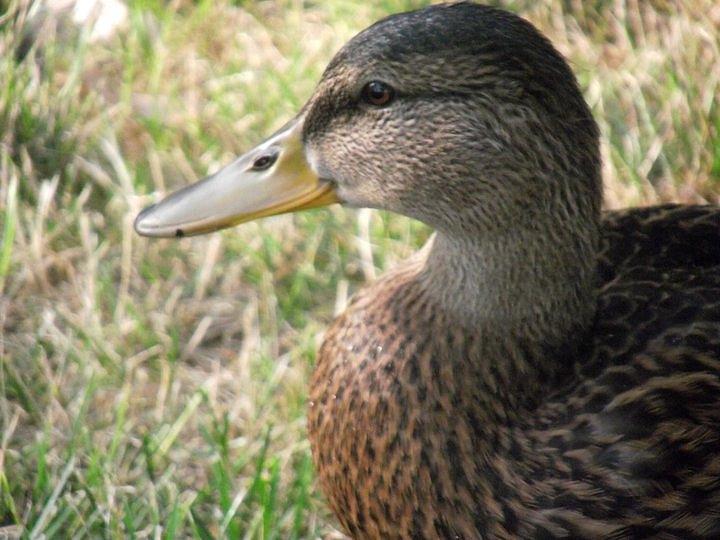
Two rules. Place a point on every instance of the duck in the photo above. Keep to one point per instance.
(541, 368)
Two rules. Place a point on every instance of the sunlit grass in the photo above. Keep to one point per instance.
(157, 388)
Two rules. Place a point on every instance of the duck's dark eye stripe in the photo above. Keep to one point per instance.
(265, 161)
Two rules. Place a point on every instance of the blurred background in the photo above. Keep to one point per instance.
(158, 388)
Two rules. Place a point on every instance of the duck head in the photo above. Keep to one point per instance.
(462, 116)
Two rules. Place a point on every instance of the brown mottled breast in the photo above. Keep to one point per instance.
(417, 434)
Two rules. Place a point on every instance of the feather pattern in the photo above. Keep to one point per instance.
(624, 442)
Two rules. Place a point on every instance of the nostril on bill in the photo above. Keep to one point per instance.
(265, 161)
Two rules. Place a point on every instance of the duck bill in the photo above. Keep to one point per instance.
(272, 178)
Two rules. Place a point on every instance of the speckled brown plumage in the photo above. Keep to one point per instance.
(537, 371)
(625, 444)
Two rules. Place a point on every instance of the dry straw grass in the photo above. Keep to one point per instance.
(157, 388)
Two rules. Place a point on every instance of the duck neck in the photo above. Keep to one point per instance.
(517, 303)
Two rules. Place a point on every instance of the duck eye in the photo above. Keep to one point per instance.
(377, 93)
(264, 161)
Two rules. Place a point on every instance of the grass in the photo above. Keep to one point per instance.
(157, 388)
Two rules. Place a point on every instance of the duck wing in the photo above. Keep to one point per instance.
(636, 444)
